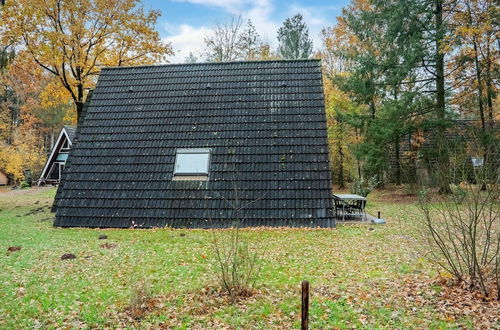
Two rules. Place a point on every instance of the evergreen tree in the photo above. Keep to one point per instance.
(191, 58)
(293, 38)
(250, 42)
(383, 54)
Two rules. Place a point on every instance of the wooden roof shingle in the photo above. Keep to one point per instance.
(264, 123)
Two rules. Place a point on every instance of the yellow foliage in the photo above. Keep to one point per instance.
(4, 122)
(341, 136)
(473, 46)
(73, 39)
(27, 153)
(53, 94)
(14, 164)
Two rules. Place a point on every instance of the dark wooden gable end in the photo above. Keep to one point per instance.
(262, 122)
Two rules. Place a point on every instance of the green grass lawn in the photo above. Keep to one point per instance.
(358, 276)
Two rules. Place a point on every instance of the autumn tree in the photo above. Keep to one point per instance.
(25, 153)
(72, 39)
(266, 52)
(293, 39)
(341, 134)
(476, 54)
(33, 108)
(7, 54)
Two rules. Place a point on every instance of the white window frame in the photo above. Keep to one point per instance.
(53, 168)
(192, 151)
(68, 146)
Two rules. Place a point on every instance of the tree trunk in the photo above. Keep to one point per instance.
(340, 151)
(413, 178)
(443, 179)
(80, 94)
(396, 147)
(489, 85)
(478, 75)
(398, 160)
(79, 108)
(357, 159)
(52, 139)
(341, 165)
(480, 99)
(372, 108)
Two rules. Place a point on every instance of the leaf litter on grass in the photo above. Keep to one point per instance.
(359, 278)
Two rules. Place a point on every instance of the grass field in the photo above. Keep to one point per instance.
(360, 275)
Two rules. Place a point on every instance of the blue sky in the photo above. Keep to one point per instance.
(184, 22)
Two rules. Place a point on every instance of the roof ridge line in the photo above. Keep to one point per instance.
(210, 63)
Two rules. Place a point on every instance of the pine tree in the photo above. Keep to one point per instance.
(293, 38)
(191, 58)
(250, 42)
(379, 45)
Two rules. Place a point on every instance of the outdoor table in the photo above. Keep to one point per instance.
(353, 205)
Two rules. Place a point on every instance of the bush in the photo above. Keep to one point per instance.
(363, 187)
(139, 296)
(461, 230)
(235, 265)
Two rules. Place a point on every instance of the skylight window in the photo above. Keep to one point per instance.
(192, 162)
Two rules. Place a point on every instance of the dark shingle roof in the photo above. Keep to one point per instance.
(71, 130)
(60, 188)
(263, 121)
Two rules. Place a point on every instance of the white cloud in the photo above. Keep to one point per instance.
(186, 39)
(258, 11)
(260, 15)
(228, 5)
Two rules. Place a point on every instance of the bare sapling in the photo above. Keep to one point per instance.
(234, 262)
(460, 231)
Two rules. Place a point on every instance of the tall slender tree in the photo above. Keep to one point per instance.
(191, 58)
(230, 40)
(293, 38)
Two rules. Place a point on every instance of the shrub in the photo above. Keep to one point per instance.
(235, 265)
(363, 186)
(461, 230)
(139, 296)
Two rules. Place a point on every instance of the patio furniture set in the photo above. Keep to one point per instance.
(350, 206)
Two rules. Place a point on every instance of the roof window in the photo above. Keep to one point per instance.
(192, 162)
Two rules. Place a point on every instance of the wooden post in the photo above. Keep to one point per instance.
(305, 305)
(378, 216)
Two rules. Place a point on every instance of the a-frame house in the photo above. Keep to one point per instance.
(190, 145)
(54, 166)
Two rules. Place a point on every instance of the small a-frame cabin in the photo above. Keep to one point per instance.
(54, 166)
